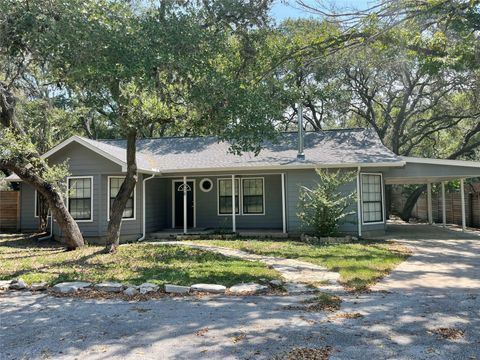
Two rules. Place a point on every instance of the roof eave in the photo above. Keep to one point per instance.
(287, 167)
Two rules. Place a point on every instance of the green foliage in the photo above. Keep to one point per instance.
(323, 207)
(19, 149)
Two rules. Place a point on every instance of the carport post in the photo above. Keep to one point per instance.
(429, 203)
(184, 204)
(234, 225)
(444, 207)
(462, 190)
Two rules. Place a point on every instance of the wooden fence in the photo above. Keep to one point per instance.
(9, 210)
(453, 205)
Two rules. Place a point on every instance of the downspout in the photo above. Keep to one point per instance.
(300, 154)
(141, 238)
(359, 205)
(49, 236)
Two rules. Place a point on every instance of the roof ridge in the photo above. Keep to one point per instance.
(213, 136)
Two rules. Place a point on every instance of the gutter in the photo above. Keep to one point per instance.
(49, 236)
(141, 238)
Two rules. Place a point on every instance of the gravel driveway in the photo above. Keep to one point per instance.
(406, 317)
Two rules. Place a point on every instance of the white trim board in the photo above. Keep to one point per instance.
(134, 198)
(465, 163)
(91, 196)
(194, 202)
(382, 187)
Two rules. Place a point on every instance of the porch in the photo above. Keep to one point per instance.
(201, 204)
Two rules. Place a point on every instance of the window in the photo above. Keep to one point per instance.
(40, 201)
(206, 185)
(80, 198)
(253, 196)
(114, 184)
(372, 198)
(225, 196)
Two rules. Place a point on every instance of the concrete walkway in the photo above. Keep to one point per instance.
(292, 271)
(443, 260)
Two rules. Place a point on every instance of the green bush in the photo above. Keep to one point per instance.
(322, 208)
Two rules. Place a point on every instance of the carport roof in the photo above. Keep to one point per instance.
(424, 171)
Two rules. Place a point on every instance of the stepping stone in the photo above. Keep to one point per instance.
(68, 287)
(209, 288)
(40, 286)
(177, 289)
(18, 284)
(109, 287)
(147, 287)
(276, 283)
(248, 288)
(295, 289)
(130, 291)
(5, 284)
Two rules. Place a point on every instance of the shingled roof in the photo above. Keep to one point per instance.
(331, 148)
(328, 148)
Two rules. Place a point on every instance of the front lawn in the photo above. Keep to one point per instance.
(33, 261)
(360, 264)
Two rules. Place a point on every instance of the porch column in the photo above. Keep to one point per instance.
(234, 225)
(429, 203)
(444, 207)
(184, 204)
(462, 194)
(284, 217)
(359, 205)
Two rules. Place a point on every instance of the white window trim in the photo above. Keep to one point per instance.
(134, 199)
(35, 215)
(194, 202)
(91, 196)
(239, 196)
(202, 182)
(263, 195)
(382, 186)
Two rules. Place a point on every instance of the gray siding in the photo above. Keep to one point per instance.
(28, 221)
(308, 178)
(156, 204)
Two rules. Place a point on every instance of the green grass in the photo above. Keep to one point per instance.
(21, 256)
(360, 264)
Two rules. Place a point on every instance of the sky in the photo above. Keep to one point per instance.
(281, 10)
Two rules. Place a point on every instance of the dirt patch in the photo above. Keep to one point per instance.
(448, 333)
(306, 354)
(321, 302)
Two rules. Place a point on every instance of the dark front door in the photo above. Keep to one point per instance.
(178, 187)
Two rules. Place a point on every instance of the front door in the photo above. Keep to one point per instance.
(178, 195)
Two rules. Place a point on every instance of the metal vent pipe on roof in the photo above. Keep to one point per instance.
(301, 154)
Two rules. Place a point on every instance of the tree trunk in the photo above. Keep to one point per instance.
(70, 229)
(42, 213)
(120, 201)
(71, 232)
(410, 203)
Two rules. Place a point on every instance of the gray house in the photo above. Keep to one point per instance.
(191, 184)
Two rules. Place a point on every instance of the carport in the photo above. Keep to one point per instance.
(423, 171)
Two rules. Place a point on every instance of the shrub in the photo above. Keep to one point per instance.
(323, 207)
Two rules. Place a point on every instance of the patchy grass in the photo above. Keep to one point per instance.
(33, 261)
(360, 264)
